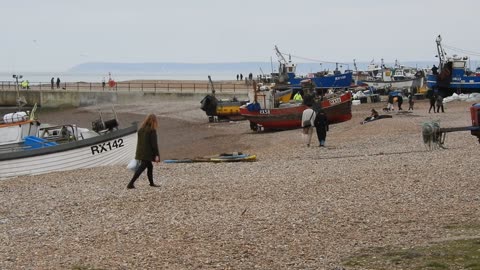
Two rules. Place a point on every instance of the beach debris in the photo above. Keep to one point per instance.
(233, 157)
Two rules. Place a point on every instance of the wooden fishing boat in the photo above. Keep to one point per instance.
(338, 108)
(30, 148)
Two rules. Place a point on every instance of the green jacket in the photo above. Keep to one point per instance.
(147, 146)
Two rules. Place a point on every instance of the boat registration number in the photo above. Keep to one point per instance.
(106, 146)
(264, 111)
(335, 100)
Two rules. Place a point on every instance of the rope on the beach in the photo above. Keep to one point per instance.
(432, 137)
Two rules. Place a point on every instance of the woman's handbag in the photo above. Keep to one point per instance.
(133, 165)
(308, 123)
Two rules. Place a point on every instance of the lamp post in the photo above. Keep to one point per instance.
(16, 77)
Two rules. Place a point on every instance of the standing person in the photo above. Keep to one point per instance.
(237, 77)
(308, 117)
(400, 102)
(432, 99)
(439, 103)
(241, 77)
(410, 101)
(58, 82)
(390, 103)
(321, 125)
(147, 149)
(103, 83)
(52, 82)
(434, 70)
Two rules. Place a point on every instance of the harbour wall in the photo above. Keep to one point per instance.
(64, 99)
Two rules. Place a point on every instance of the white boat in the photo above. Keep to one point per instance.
(30, 148)
(399, 77)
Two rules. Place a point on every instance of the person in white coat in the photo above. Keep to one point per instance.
(308, 117)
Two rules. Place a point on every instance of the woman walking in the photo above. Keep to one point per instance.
(147, 149)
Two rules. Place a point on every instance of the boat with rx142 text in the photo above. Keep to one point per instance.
(452, 75)
(265, 114)
(28, 147)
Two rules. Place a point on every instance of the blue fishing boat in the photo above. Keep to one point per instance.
(322, 79)
(452, 75)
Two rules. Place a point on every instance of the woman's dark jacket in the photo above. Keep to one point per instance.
(147, 146)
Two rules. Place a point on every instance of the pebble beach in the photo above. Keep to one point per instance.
(297, 207)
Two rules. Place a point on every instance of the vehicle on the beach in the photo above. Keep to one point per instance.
(264, 114)
(434, 136)
(28, 147)
(321, 79)
(218, 109)
(452, 76)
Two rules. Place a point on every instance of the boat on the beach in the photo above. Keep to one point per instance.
(28, 147)
(398, 77)
(453, 74)
(267, 115)
(322, 79)
(230, 108)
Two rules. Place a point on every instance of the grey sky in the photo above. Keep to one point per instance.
(54, 35)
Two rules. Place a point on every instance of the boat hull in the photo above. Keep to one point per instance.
(115, 148)
(343, 80)
(464, 84)
(400, 84)
(337, 110)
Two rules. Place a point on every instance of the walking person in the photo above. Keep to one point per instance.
(147, 149)
(439, 103)
(58, 82)
(399, 102)
(52, 82)
(410, 101)
(321, 126)
(432, 99)
(308, 117)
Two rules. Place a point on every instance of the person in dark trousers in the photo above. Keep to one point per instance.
(241, 77)
(321, 126)
(410, 101)
(58, 82)
(434, 70)
(439, 103)
(52, 82)
(103, 84)
(432, 99)
(147, 149)
(400, 102)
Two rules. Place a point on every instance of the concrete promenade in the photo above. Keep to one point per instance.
(62, 98)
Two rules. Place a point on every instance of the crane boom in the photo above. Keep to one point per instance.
(280, 55)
